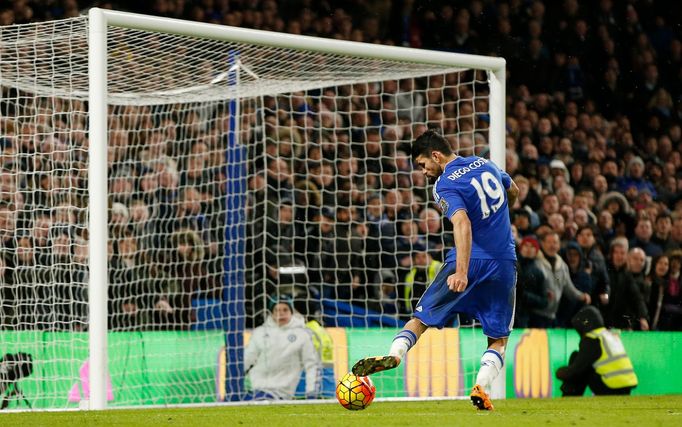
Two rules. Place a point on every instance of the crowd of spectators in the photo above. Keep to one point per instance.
(164, 230)
(594, 142)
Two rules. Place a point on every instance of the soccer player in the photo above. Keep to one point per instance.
(479, 273)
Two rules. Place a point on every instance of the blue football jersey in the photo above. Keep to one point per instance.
(479, 187)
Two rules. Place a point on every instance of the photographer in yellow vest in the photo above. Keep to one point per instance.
(600, 363)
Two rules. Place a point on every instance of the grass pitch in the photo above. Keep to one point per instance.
(638, 411)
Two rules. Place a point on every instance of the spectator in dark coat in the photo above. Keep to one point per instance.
(189, 270)
(531, 286)
(627, 309)
(671, 311)
(585, 237)
(643, 233)
(656, 281)
(580, 270)
(662, 235)
(334, 245)
(637, 262)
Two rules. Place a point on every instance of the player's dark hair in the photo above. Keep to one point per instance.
(429, 142)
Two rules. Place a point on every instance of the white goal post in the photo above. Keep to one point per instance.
(100, 19)
(242, 89)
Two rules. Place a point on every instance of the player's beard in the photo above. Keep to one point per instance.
(432, 178)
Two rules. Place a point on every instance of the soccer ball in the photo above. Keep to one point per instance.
(355, 393)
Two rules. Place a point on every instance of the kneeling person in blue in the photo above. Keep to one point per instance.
(277, 353)
(600, 363)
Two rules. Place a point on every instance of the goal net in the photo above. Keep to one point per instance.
(241, 167)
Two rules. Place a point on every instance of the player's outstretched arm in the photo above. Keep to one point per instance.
(512, 194)
(462, 229)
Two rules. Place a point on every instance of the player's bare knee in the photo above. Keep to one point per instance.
(416, 325)
(498, 344)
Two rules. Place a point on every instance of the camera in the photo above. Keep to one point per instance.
(13, 367)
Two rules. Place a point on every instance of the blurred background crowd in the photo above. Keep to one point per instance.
(594, 141)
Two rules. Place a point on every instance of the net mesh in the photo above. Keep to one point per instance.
(153, 68)
(334, 215)
(339, 194)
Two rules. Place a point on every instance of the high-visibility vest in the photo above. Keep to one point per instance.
(431, 273)
(614, 365)
(323, 342)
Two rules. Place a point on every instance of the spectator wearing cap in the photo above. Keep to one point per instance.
(120, 218)
(278, 351)
(531, 287)
(558, 168)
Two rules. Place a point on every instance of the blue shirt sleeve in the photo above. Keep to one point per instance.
(506, 179)
(450, 201)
